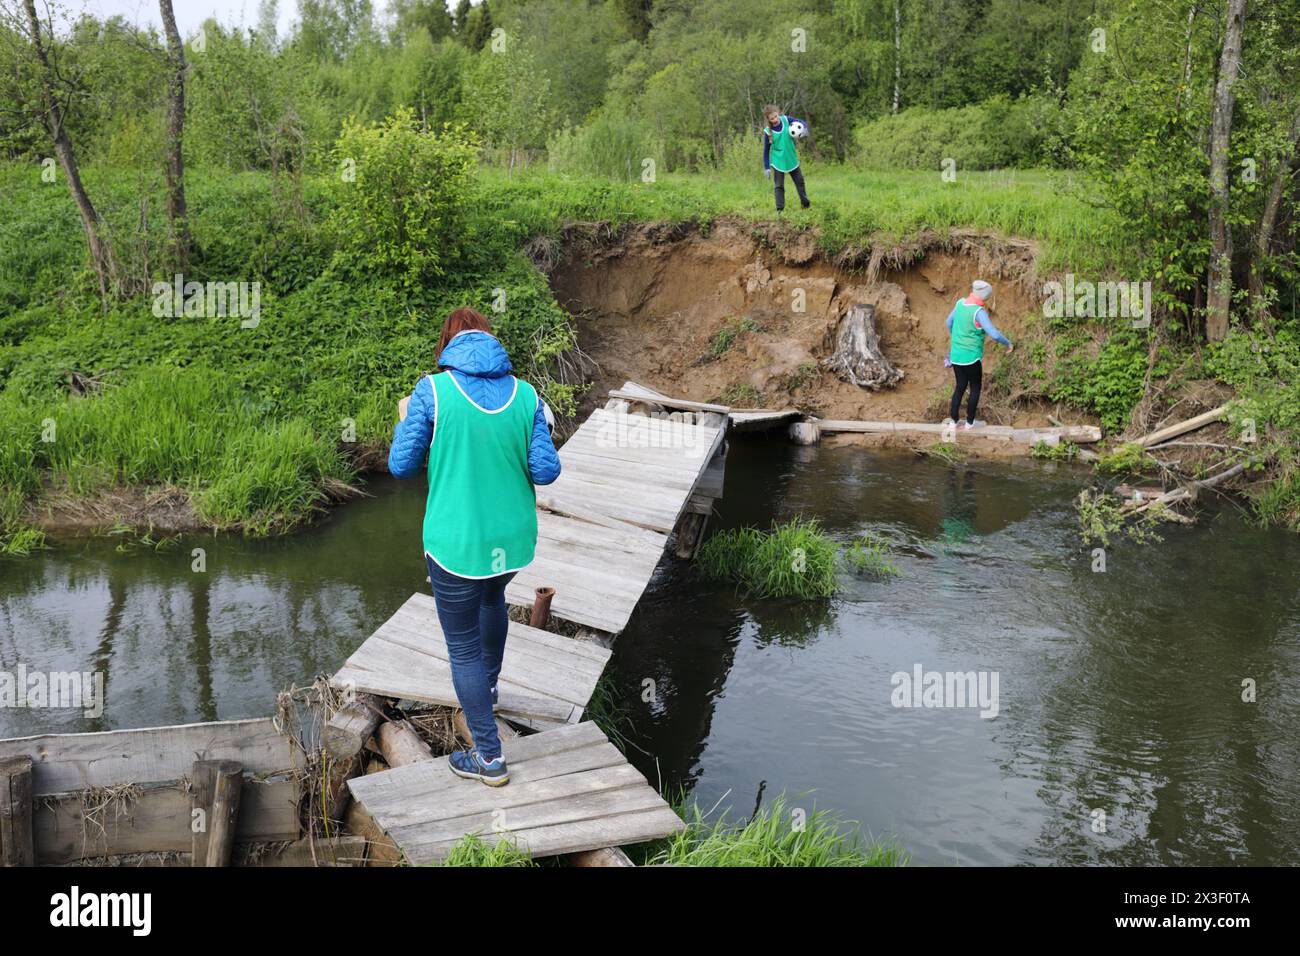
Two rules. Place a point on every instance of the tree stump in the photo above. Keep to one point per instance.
(857, 358)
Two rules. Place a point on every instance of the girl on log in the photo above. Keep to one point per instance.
(779, 154)
(968, 323)
(488, 442)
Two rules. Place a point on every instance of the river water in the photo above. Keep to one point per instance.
(1121, 734)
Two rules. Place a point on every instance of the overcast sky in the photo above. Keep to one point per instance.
(191, 13)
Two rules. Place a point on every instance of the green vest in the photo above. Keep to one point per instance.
(967, 340)
(781, 154)
(481, 517)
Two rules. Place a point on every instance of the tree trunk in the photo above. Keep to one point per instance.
(177, 214)
(898, 50)
(101, 253)
(857, 358)
(1219, 281)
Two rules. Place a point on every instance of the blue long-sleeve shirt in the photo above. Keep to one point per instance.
(482, 369)
(766, 137)
(982, 321)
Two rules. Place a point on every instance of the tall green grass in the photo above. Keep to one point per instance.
(190, 428)
(472, 850)
(794, 559)
(775, 837)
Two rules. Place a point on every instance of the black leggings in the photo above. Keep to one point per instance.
(972, 375)
(778, 178)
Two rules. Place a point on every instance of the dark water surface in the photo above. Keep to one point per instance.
(1118, 692)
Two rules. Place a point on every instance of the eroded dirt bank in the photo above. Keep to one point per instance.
(716, 316)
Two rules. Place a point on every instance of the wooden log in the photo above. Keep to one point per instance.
(1182, 428)
(214, 802)
(805, 433)
(648, 396)
(504, 730)
(17, 844)
(381, 850)
(606, 856)
(858, 358)
(351, 726)
(400, 744)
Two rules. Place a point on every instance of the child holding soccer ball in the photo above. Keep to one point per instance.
(779, 153)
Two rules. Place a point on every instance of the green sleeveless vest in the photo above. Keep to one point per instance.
(781, 154)
(481, 517)
(967, 340)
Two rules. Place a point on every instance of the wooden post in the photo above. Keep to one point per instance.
(605, 856)
(541, 608)
(16, 843)
(805, 433)
(214, 809)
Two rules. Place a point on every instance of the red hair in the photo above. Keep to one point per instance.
(461, 320)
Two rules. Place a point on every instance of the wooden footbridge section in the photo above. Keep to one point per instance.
(627, 481)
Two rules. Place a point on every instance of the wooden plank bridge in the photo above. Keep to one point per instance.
(627, 481)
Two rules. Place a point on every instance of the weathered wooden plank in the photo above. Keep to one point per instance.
(633, 395)
(156, 819)
(1074, 433)
(63, 762)
(16, 833)
(502, 821)
(403, 818)
(520, 752)
(622, 830)
(599, 656)
(1182, 428)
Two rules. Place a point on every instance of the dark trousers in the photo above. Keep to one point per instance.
(972, 375)
(778, 178)
(472, 613)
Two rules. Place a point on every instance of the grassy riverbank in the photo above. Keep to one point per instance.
(258, 426)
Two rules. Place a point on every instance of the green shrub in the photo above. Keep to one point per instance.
(1129, 458)
(995, 134)
(612, 145)
(400, 197)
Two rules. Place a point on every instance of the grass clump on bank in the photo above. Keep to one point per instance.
(870, 555)
(775, 836)
(794, 559)
(474, 851)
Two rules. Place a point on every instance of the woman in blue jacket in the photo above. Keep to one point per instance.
(488, 443)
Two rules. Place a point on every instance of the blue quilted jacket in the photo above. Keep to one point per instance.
(482, 368)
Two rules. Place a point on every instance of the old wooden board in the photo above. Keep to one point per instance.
(598, 572)
(546, 679)
(635, 469)
(1080, 434)
(156, 819)
(63, 762)
(760, 419)
(570, 789)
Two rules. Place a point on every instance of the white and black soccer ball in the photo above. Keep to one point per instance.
(798, 129)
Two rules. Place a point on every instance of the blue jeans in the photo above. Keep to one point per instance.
(472, 612)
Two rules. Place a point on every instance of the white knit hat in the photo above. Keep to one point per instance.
(981, 288)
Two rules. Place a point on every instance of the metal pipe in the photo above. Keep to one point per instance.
(541, 607)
